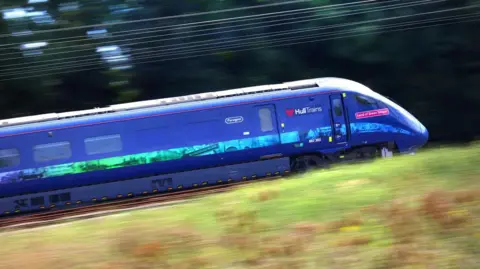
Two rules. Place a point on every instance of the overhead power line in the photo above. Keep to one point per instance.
(330, 36)
(217, 42)
(181, 16)
(300, 20)
(317, 17)
(255, 48)
(210, 22)
(221, 45)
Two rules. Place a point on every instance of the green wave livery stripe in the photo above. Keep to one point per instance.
(147, 157)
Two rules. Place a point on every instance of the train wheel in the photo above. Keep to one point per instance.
(307, 163)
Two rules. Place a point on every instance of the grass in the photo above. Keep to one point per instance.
(418, 211)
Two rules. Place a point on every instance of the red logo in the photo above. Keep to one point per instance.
(372, 113)
(290, 112)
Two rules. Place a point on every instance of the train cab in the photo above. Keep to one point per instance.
(373, 118)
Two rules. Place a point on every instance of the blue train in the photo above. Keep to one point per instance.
(125, 150)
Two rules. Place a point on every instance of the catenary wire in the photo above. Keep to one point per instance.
(234, 26)
(220, 41)
(174, 17)
(234, 30)
(175, 38)
(247, 49)
(96, 61)
(207, 23)
(215, 51)
(94, 56)
(228, 46)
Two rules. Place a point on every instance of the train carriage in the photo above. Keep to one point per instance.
(61, 159)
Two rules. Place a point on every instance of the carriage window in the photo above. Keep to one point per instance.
(52, 151)
(365, 101)
(36, 201)
(103, 144)
(265, 116)
(57, 198)
(9, 157)
(337, 107)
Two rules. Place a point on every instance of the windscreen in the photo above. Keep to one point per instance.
(411, 120)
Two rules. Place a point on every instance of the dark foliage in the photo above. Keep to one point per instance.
(433, 71)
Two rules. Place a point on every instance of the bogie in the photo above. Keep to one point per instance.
(306, 163)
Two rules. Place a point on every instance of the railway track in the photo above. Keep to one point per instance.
(97, 210)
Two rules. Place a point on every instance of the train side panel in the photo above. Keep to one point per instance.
(122, 150)
(144, 147)
(306, 124)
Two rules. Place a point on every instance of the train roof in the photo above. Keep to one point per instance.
(194, 101)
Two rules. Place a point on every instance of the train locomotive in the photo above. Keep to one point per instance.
(76, 158)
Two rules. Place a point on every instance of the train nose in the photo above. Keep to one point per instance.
(423, 135)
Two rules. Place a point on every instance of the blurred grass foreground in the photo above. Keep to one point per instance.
(418, 211)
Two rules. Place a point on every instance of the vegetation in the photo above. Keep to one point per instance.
(418, 211)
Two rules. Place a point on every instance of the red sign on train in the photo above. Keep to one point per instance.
(372, 113)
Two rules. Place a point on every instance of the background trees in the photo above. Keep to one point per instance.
(423, 54)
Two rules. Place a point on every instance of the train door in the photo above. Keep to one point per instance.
(269, 134)
(339, 123)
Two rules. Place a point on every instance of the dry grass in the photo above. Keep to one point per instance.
(417, 213)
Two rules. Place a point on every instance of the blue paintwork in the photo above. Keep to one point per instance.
(206, 177)
(204, 122)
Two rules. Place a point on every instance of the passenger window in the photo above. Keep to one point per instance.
(265, 116)
(36, 201)
(337, 107)
(52, 151)
(365, 101)
(9, 157)
(103, 144)
(57, 198)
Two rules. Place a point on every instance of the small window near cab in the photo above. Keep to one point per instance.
(366, 102)
(9, 157)
(265, 116)
(337, 107)
(103, 144)
(52, 151)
